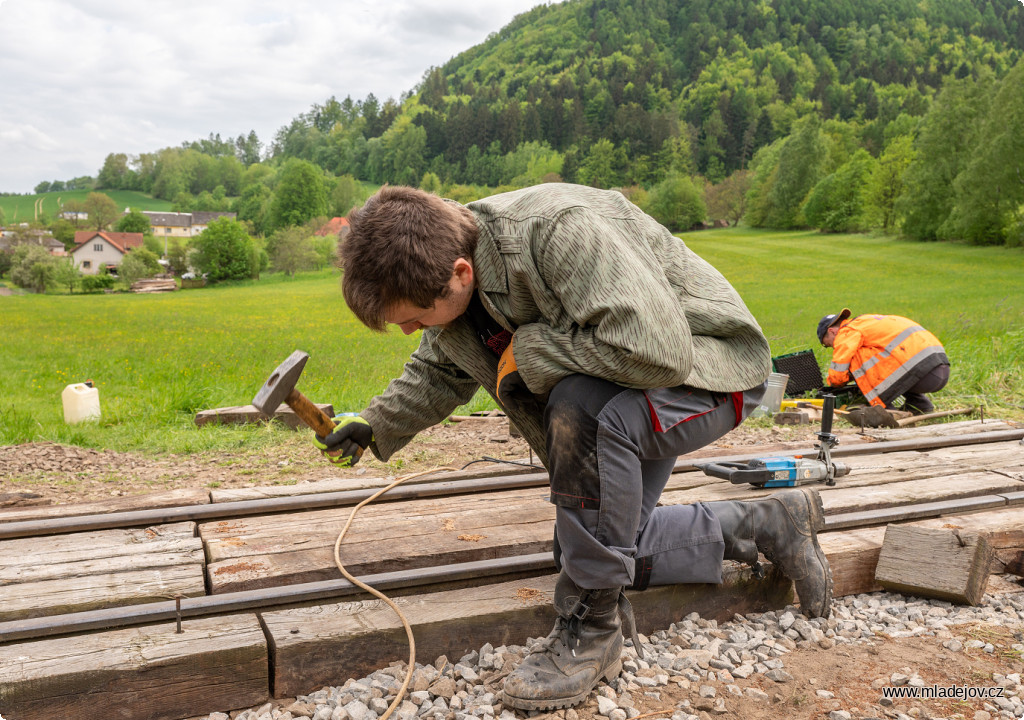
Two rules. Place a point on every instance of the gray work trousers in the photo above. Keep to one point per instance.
(611, 450)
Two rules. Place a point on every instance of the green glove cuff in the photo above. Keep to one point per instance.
(340, 421)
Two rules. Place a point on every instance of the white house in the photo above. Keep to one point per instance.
(96, 249)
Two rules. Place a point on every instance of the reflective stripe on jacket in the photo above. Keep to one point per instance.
(880, 352)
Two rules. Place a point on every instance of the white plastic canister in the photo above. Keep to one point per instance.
(81, 402)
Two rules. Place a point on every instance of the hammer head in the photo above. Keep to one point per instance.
(280, 383)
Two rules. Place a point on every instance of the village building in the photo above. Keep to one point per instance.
(10, 237)
(335, 227)
(98, 249)
(182, 225)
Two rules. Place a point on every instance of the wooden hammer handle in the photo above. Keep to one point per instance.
(309, 413)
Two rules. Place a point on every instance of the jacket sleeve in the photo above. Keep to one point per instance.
(428, 390)
(621, 318)
(845, 346)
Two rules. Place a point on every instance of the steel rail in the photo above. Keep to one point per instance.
(536, 563)
(315, 501)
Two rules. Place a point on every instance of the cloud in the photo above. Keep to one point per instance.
(84, 78)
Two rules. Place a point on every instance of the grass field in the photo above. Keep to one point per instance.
(23, 208)
(158, 359)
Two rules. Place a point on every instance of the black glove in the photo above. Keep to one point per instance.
(344, 446)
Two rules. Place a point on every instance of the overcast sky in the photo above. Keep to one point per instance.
(80, 79)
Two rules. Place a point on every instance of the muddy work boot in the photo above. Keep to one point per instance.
(784, 526)
(584, 647)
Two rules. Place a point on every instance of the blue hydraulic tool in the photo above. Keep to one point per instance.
(781, 472)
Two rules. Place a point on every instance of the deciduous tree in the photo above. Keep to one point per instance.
(102, 210)
(177, 256)
(223, 251)
(942, 150)
(836, 204)
(66, 274)
(990, 190)
(728, 199)
(136, 265)
(676, 203)
(299, 196)
(33, 268)
(291, 250)
(134, 222)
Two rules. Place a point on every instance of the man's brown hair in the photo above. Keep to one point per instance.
(401, 247)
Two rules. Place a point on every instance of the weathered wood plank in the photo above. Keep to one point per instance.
(1004, 528)
(917, 511)
(962, 427)
(92, 592)
(934, 562)
(149, 673)
(848, 499)
(853, 555)
(26, 555)
(403, 552)
(374, 523)
(102, 543)
(928, 481)
(175, 552)
(312, 647)
(166, 499)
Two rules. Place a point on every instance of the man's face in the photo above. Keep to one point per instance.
(411, 318)
(830, 336)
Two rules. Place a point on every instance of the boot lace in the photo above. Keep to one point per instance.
(568, 628)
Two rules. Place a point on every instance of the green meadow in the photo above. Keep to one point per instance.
(24, 208)
(157, 359)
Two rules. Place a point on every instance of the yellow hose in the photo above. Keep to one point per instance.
(377, 593)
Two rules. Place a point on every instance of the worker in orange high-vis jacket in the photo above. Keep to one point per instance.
(888, 356)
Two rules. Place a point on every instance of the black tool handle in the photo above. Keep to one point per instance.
(737, 473)
(827, 410)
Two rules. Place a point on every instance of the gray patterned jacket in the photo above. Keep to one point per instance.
(588, 284)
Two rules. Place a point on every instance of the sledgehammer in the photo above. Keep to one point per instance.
(280, 388)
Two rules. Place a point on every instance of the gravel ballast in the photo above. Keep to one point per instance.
(712, 663)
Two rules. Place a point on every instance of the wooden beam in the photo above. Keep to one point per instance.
(66, 595)
(917, 511)
(934, 562)
(107, 568)
(853, 555)
(258, 552)
(324, 645)
(166, 499)
(149, 673)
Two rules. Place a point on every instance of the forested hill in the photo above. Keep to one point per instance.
(634, 93)
(736, 72)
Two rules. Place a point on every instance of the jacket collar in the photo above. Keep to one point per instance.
(491, 276)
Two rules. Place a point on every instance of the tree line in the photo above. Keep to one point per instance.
(786, 113)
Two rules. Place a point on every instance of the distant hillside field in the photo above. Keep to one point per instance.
(22, 208)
